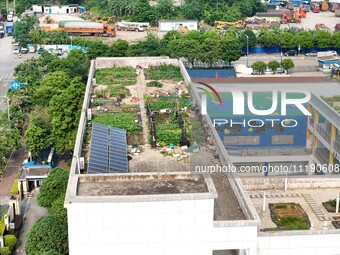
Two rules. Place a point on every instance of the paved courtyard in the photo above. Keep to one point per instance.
(309, 199)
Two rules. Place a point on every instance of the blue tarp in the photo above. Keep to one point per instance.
(266, 50)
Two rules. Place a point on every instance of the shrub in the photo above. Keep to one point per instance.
(10, 241)
(53, 187)
(154, 84)
(166, 126)
(48, 234)
(58, 209)
(5, 251)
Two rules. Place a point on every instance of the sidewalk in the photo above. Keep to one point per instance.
(32, 212)
(14, 164)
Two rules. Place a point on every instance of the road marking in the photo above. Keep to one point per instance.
(6, 76)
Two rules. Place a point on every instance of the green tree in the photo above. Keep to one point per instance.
(287, 64)
(305, 39)
(165, 9)
(233, 14)
(53, 187)
(230, 48)
(273, 65)
(210, 51)
(36, 139)
(171, 36)
(184, 48)
(143, 12)
(22, 28)
(259, 66)
(65, 111)
(268, 38)
(119, 48)
(51, 253)
(336, 40)
(288, 40)
(151, 46)
(251, 38)
(53, 84)
(5, 251)
(97, 48)
(10, 241)
(322, 39)
(49, 234)
(192, 9)
(40, 117)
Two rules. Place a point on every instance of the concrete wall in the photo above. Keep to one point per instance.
(182, 227)
(262, 183)
(133, 61)
(303, 243)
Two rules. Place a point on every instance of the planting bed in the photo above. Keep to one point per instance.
(116, 76)
(163, 72)
(330, 205)
(288, 216)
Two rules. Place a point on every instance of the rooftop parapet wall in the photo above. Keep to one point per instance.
(235, 183)
(134, 61)
(270, 183)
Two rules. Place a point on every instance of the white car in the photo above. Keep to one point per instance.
(16, 50)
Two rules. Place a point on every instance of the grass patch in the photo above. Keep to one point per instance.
(333, 101)
(116, 75)
(15, 189)
(118, 91)
(120, 120)
(289, 216)
(164, 72)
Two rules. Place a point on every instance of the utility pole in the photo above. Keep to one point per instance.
(7, 8)
(247, 48)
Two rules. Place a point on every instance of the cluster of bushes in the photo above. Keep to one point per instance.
(49, 234)
(260, 66)
(10, 241)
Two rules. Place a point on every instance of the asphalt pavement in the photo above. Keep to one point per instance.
(8, 62)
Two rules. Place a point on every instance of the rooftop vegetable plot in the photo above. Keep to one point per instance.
(116, 76)
(172, 125)
(125, 121)
(163, 72)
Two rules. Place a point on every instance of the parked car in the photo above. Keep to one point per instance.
(280, 71)
(24, 50)
(40, 50)
(31, 49)
(16, 50)
(291, 53)
(312, 54)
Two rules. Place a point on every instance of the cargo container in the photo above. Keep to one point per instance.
(89, 28)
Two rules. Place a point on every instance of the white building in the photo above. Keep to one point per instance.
(57, 9)
(168, 25)
(154, 213)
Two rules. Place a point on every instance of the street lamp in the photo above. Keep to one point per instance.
(281, 58)
(247, 48)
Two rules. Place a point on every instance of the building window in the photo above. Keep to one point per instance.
(241, 140)
(282, 139)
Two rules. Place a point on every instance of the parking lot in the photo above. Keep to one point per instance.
(328, 18)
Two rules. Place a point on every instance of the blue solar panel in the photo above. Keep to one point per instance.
(108, 151)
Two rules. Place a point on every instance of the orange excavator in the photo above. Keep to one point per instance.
(302, 12)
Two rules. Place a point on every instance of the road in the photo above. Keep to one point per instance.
(7, 64)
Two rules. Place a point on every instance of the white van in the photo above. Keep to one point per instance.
(31, 49)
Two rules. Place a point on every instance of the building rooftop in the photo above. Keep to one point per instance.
(141, 184)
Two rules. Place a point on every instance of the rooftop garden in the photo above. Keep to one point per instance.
(333, 101)
(288, 216)
(163, 72)
(116, 76)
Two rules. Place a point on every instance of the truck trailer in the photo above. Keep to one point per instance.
(89, 28)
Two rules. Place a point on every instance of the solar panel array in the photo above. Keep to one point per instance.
(108, 152)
